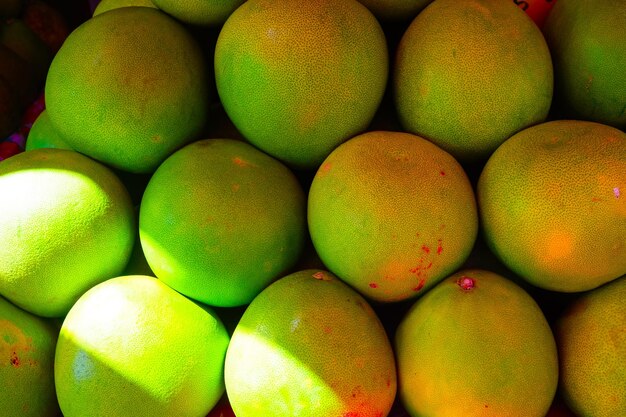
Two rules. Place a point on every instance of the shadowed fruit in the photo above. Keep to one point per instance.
(67, 224)
(132, 346)
(128, 87)
(587, 38)
(27, 344)
(310, 346)
(44, 135)
(395, 9)
(106, 5)
(219, 220)
(591, 337)
(470, 74)
(391, 214)
(298, 77)
(199, 12)
(552, 204)
(476, 345)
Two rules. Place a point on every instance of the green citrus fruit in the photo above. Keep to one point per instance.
(591, 337)
(199, 12)
(298, 77)
(391, 214)
(67, 224)
(27, 344)
(476, 345)
(587, 41)
(44, 135)
(219, 220)
(552, 206)
(106, 5)
(128, 87)
(470, 74)
(310, 346)
(132, 346)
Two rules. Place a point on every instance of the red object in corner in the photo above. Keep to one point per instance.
(537, 9)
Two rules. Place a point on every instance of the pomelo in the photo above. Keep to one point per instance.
(199, 12)
(106, 5)
(219, 220)
(310, 346)
(591, 337)
(552, 204)
(44, 135)
(128, 87)
(391, 214)
(587, 41)
(27, 344)
(476, 345)
(298, 77)
(67, 224)
(470, 74)
(132, 346)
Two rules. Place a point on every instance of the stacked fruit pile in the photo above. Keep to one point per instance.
(322, 208)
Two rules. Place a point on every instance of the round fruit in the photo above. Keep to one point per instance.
(219, 220)
(106, 5)
(132, 346)
(298, 77)
(199, 12)
(310, 346)
(470, 86)
(128, 87)
(44, 135)
(476, 345)
(391, 214)
(67, 224)
(591, 337)
(551, 204)
(27, 345)
(589, 58)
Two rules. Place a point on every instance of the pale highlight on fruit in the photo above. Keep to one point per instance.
(67, 225)
(116, 356)
(298, 77)
(470, 74)
(128, 87)
(310, 346)
(551, 207)
(27, 344)
(476, 345)
(591, 336)
(219, 220)
(391, 214)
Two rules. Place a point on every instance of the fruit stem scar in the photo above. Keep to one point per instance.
(466, 283)
(321, 276)
(373, 285)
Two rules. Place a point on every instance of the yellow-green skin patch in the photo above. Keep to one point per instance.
(470, 74)
(199, 12)
(44, 135)
(132, 346)
(553, 207)
(128, 87)
(27, 344)
(391, 214)
(476, 345)
(586, 38)
(591, 338)
(219, 220)
(67, 224)
(106, 5)
(310, 346)
(298, 77)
